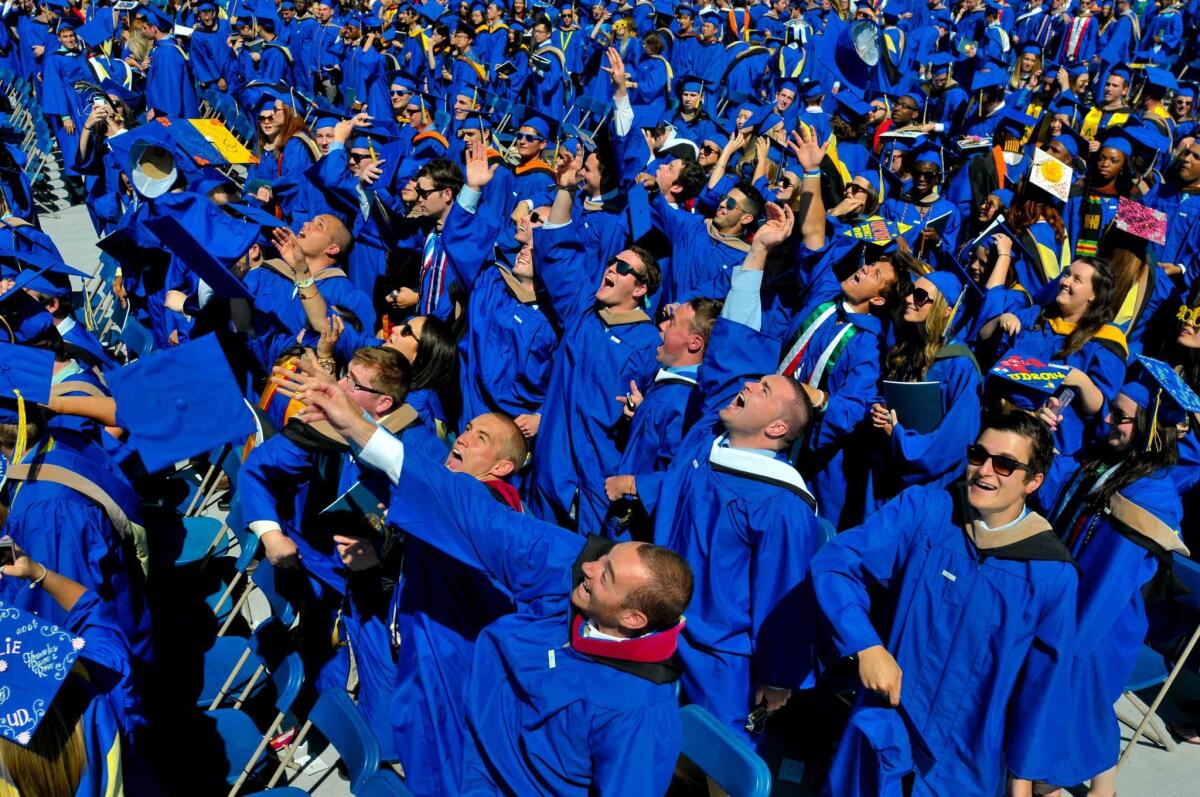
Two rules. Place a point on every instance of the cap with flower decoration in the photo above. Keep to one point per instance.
(35, 660)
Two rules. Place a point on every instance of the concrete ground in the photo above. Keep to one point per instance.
(1150, 772)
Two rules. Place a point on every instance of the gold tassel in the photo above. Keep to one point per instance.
(22, 429)
(1150, 443)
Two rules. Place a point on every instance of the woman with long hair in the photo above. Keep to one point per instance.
(516, 52)
(1075, 332)
(925, 351)
(992, 287)
(1120, 516)
(107, 198)
(285, 151)
(1039, 227)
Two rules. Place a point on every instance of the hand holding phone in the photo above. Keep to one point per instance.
(8, 551)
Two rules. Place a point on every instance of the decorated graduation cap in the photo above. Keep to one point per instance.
(1157, 388)
(877, 230)
(1051, 175)
(36, 660)
(179, 403)
(1134, 218)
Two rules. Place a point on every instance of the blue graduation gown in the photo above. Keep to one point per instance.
(983, 636)
(170, 86)
(1112, 622)
(657, 427)
(71, 534)
(596, 360)
(698, 255)
(61, 69)
(746, 524)
(286, 175)
(543, 718)
(505, 354)
(211, 54)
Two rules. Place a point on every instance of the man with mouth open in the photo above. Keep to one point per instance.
(981, 635)
(574, 693)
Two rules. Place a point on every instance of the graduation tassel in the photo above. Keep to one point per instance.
(1150, 443)
(22, 429)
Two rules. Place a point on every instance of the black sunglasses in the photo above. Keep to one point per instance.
(624, 268)
(925, 174)
(534, 218)
(729, 203)
(783, 182)
(710, 150)
(920, 297)
(355, 157)
(424, 193)
(1004, 466)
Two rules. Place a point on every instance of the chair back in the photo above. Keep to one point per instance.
(339, 721)
(384, 783)
(722, 756)
(1187, 573)
(264, 579)
(287, 677)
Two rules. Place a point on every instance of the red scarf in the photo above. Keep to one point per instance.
(506, 493)
(645, 650)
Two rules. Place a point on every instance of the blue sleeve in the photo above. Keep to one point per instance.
(736, 353)
(561, 265)
(274, 471)
(468, 236)
(106, 645)
(924, 457)
(869, 554)
(331, 174)
(455, 513)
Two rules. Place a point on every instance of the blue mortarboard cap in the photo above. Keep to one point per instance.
(1014, 121)
(992, 78)
(763, 119)
(156, 18)
(852, 105)
(431, 10)
(179, 403)
(718, 137)
(253, 214)
(325, 121)
(1156, 383)
(940, 62)
(1186, 90)
(1072, 142)
(543, 124)
(1031, 47)
(98, 31)
(1120, 138)
(948, 285)
(212, 4)
(925, 149)
(476, 120)
(37, 658)
(111, 87)
(1122, 71)
(691, 83)
(1004, 195)
(204, 238)
(25, 371)
(1160, 79)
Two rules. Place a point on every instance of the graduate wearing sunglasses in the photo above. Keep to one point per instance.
(925, 351)
(606, 341)
(1120, 515)
(978, 652)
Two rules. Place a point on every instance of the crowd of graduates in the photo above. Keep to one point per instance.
(829, 366)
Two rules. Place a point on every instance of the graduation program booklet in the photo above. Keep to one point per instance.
(505, 68)
(918, 405)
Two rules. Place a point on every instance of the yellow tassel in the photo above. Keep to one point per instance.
(22, 429)
(1154, 421)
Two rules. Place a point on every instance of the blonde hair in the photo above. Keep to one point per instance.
(918, 344)
(55, 759)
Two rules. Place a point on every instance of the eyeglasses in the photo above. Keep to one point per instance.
(1120, 420)
(920, 297)
(528, 137)
(424, 193)
(729, 203)
(906, 107)
(1189, 315)
(623, 268)
(354, 383)
(1004, 466)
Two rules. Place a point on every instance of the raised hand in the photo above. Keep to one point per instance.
(808, 151)
(479, 171)
(778, 226)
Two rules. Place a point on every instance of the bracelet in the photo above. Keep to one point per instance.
(812, 172)
(304, 283)
(328, 364)
(41, 578)
(1004, 254)
(305, 297)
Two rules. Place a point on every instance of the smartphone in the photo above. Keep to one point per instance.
(8, 551)
(99, 101)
